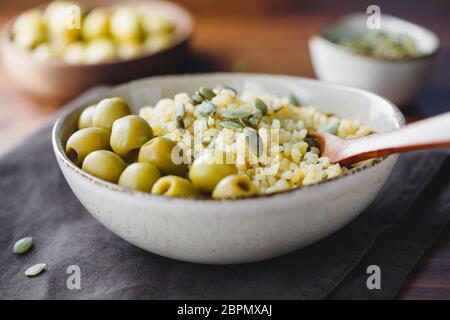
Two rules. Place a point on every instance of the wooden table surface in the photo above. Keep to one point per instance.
(270, 36)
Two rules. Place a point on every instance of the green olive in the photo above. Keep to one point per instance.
(99, 50)
(162, 153)
(28, 20)
(85, 119)
(234, 186)
(125, 24)
(85, 141)
(174, 186)
(73, 53)
(62, 20)
(108, 111)
(29, 29)
(208, 170)
(96, 24)
(156, 42)
(105, 165)
(139, 176)
(129, 49)
(128, 134)
(156, 24)
(45, 51)
(29, 39)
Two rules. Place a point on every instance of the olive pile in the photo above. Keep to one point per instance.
(116, 146)
(103, 34)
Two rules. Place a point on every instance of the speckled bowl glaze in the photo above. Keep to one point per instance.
(233, 231)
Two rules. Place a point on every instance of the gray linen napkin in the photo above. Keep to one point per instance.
(36, 201)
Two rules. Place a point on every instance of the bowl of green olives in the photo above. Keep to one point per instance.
(57, 51)
(122, 168)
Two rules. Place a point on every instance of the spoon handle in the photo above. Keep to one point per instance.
(433, 132)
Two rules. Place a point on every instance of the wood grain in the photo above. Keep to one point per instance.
(423, 134)
(270, 36)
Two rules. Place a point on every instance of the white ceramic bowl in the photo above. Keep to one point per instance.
(233, 231)
(397, 80)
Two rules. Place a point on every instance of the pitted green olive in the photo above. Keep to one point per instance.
(85, 141)
(208, 169)
(174, 186)
(108, 111)
(139, 176)
(128, 134)
(164, 154)
(105, 165)
(234, 186)
(61, 29)
(85, 119)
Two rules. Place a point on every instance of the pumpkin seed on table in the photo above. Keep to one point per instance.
(207, 109)
(35, 270)
(261, 105)
(179, 115)
(206, 93)
(231, 124)
(23, 245)
(235, 114)
(254, 142)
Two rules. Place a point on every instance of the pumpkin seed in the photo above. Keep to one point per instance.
(255, 117)
(222, 87)
(206, 93)
(231, 124)
(254, 142)
(179, 115)
(261, 105)
(311, 143)
(35, 270)
(23, 245)
(330, 128)
(235, 114)
(294, 101)
(207, 109)
(278, 110)
(196, 99)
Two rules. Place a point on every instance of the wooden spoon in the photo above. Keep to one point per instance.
(425, 134)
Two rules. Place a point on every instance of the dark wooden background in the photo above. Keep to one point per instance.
(270, 36)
